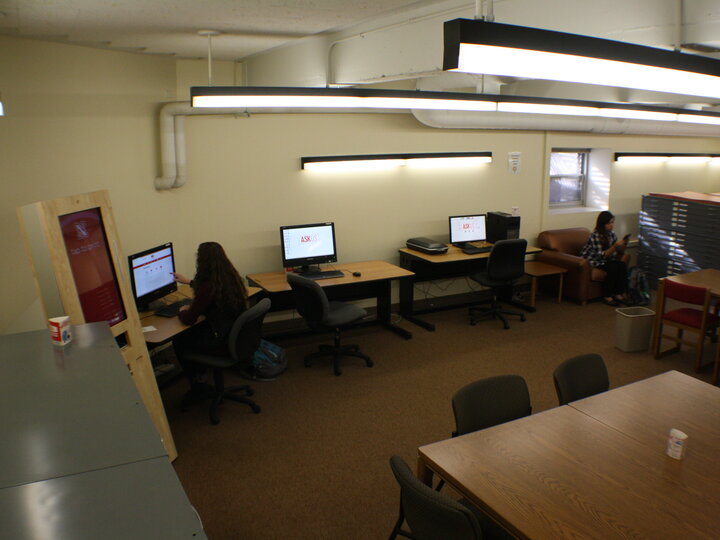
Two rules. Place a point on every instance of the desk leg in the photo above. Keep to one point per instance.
(407, 299)
(560, 287)
(384, 313)
(533, 290)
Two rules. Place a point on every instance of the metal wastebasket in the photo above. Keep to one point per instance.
(633, 328)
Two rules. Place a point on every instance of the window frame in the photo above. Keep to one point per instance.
(583, 177)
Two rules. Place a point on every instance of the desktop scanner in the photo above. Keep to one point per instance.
(426, 245)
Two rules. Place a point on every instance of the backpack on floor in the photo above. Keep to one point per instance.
(268, 362)
(638, 288)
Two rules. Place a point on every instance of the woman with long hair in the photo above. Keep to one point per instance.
(604, 251)
(220, 295)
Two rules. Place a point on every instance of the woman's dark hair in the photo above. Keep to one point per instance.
(603, 219)
(214, 267)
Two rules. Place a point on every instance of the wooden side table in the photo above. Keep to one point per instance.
(535, 270)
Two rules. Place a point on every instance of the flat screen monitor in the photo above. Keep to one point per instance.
(92, 268)
(151, 275)
(470, 228)
(303, 245)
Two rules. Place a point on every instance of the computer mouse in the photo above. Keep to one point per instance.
(357, 274)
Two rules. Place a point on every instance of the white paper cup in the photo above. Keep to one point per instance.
(676, 444)
(60, 330)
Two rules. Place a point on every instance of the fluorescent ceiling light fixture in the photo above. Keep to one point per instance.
(389, 161)
(659, 157)
(699, 119)
(334, 98)
(477, 46)
(272, 98)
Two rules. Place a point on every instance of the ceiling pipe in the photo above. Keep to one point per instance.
(541, 122)
(173, 156)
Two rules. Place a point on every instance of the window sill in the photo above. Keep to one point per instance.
(574, 210)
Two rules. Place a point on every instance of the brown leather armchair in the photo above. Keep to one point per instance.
(561, 247)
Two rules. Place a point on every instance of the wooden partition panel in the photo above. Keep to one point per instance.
(80, 271)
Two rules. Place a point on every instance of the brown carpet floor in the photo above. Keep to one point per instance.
(314, 464)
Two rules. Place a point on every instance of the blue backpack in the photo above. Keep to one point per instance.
(268, 362)
(638, 287)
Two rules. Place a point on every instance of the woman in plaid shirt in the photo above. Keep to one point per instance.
(604, 251)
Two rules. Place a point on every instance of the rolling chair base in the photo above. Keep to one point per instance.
(337, 353)
(231, 393)
(494, 312)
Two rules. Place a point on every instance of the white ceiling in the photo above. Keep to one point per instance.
(171, 26)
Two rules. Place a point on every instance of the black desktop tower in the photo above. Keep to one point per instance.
(502, 226)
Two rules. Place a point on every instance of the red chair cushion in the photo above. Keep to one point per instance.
(690, 317)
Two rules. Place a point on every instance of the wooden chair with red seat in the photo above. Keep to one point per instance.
(698, 321)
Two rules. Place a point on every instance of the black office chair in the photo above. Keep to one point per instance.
(243, 341)
(580, 377)
(505, 265)
(434, 516)
(489, 402)
(320, 314)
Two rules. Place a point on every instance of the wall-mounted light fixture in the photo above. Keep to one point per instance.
(274, 98)
(2, 111)
(389, 161)
(477, 46)
(662, 157)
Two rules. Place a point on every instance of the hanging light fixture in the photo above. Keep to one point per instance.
(477, 46)
(283, 98)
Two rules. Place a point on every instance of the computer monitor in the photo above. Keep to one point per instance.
(151, 275)
(303, 245)
(470, 228)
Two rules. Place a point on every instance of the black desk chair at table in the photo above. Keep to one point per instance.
(489, 402)
(505, 265)
(320, 313)
(243, 341)
(432, 515)
(580, 377)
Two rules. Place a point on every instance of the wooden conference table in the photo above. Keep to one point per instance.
(428, 267)
(373, 282)
(596, 468)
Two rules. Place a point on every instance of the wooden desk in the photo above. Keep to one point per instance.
(374, 281)
(708, 278)
(595, 469)
(167, 328)
(427, 267)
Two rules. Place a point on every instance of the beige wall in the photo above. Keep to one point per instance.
(82, 119)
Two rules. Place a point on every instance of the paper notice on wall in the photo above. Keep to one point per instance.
(514, 162)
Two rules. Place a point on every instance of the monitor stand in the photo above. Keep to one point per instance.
(151, 306)
(307, 269)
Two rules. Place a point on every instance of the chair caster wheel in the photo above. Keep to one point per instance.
(256, 409)
(369, 363)
(522, 319)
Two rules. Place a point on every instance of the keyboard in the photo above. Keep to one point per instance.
(324, 274)
(472, 250)
(171, 310)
